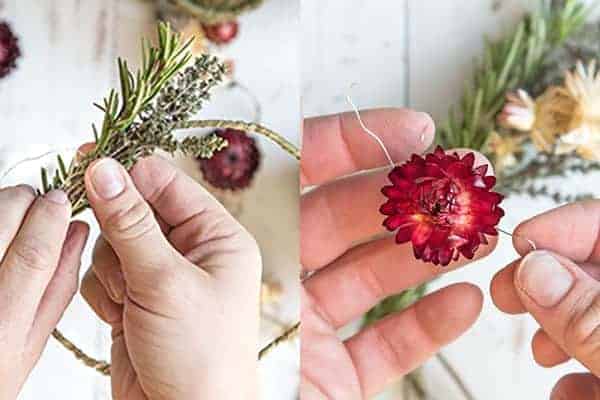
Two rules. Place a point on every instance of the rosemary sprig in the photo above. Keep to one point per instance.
(508, 64)
(141, 117)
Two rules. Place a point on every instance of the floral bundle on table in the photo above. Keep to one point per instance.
(533, 108)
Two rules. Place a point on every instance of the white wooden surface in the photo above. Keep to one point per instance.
(70, 48)
(418, 53)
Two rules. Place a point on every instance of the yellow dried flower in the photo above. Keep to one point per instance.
(505, 149)
(563, 119)
(583, 133)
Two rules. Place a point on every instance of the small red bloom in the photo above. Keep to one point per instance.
(234, 166)
(221, 33)
(9, 49)
(443, 204)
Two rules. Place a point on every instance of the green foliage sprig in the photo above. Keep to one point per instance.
(140, 119)
(509, 63)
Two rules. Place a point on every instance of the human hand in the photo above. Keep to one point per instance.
(355, 266)
(178, 280)
(559, 287)
(40, 252)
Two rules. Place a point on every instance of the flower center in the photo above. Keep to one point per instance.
(437, 200)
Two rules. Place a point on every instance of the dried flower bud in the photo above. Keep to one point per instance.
(233, 167)
(221, 33)
(9, 49)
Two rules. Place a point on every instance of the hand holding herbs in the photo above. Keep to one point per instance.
(352, 265)
(40, 253)
(559, 287)
(178, 280)
(142, 118)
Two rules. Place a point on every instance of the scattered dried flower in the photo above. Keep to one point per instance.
(221, 33)
(233, 167)
(518, 112)
(582, 88)
(505, 149)
(9, 49)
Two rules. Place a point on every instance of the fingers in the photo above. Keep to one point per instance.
(546, 352)
(566, 303)
(174, 196)
(126, 220)
(33, 256)
(62, 287)
(15, 203)
(201, 228)
(577, 387)
(577, 221)
(97, 297)
(334, 217)
(369, 273)
(400, 343)
(106, 266)
(337, 145)
(338, 215)
(504, 293)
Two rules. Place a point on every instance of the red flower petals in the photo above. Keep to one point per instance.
(443, 204)
(9, 49)
(233, 167)
(222, 33)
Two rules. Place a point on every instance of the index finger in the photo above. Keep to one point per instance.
(571, 231)
(337, 145)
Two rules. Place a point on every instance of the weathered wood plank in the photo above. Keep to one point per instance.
(353, 42)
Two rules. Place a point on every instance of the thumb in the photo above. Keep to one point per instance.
(566, 303)
(577, 387)
(126, 220)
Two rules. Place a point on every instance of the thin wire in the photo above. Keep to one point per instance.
(257, 108)
(31, 159)
(531, 242)
(370, 132)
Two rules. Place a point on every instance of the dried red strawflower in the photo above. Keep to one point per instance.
(443, 204)
(221, 33)
(9, 49)
(233, 167)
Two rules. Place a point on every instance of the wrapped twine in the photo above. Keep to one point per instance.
(211, 11)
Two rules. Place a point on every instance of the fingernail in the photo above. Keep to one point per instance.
(544, 279)
(107, 179)
(57, 196)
